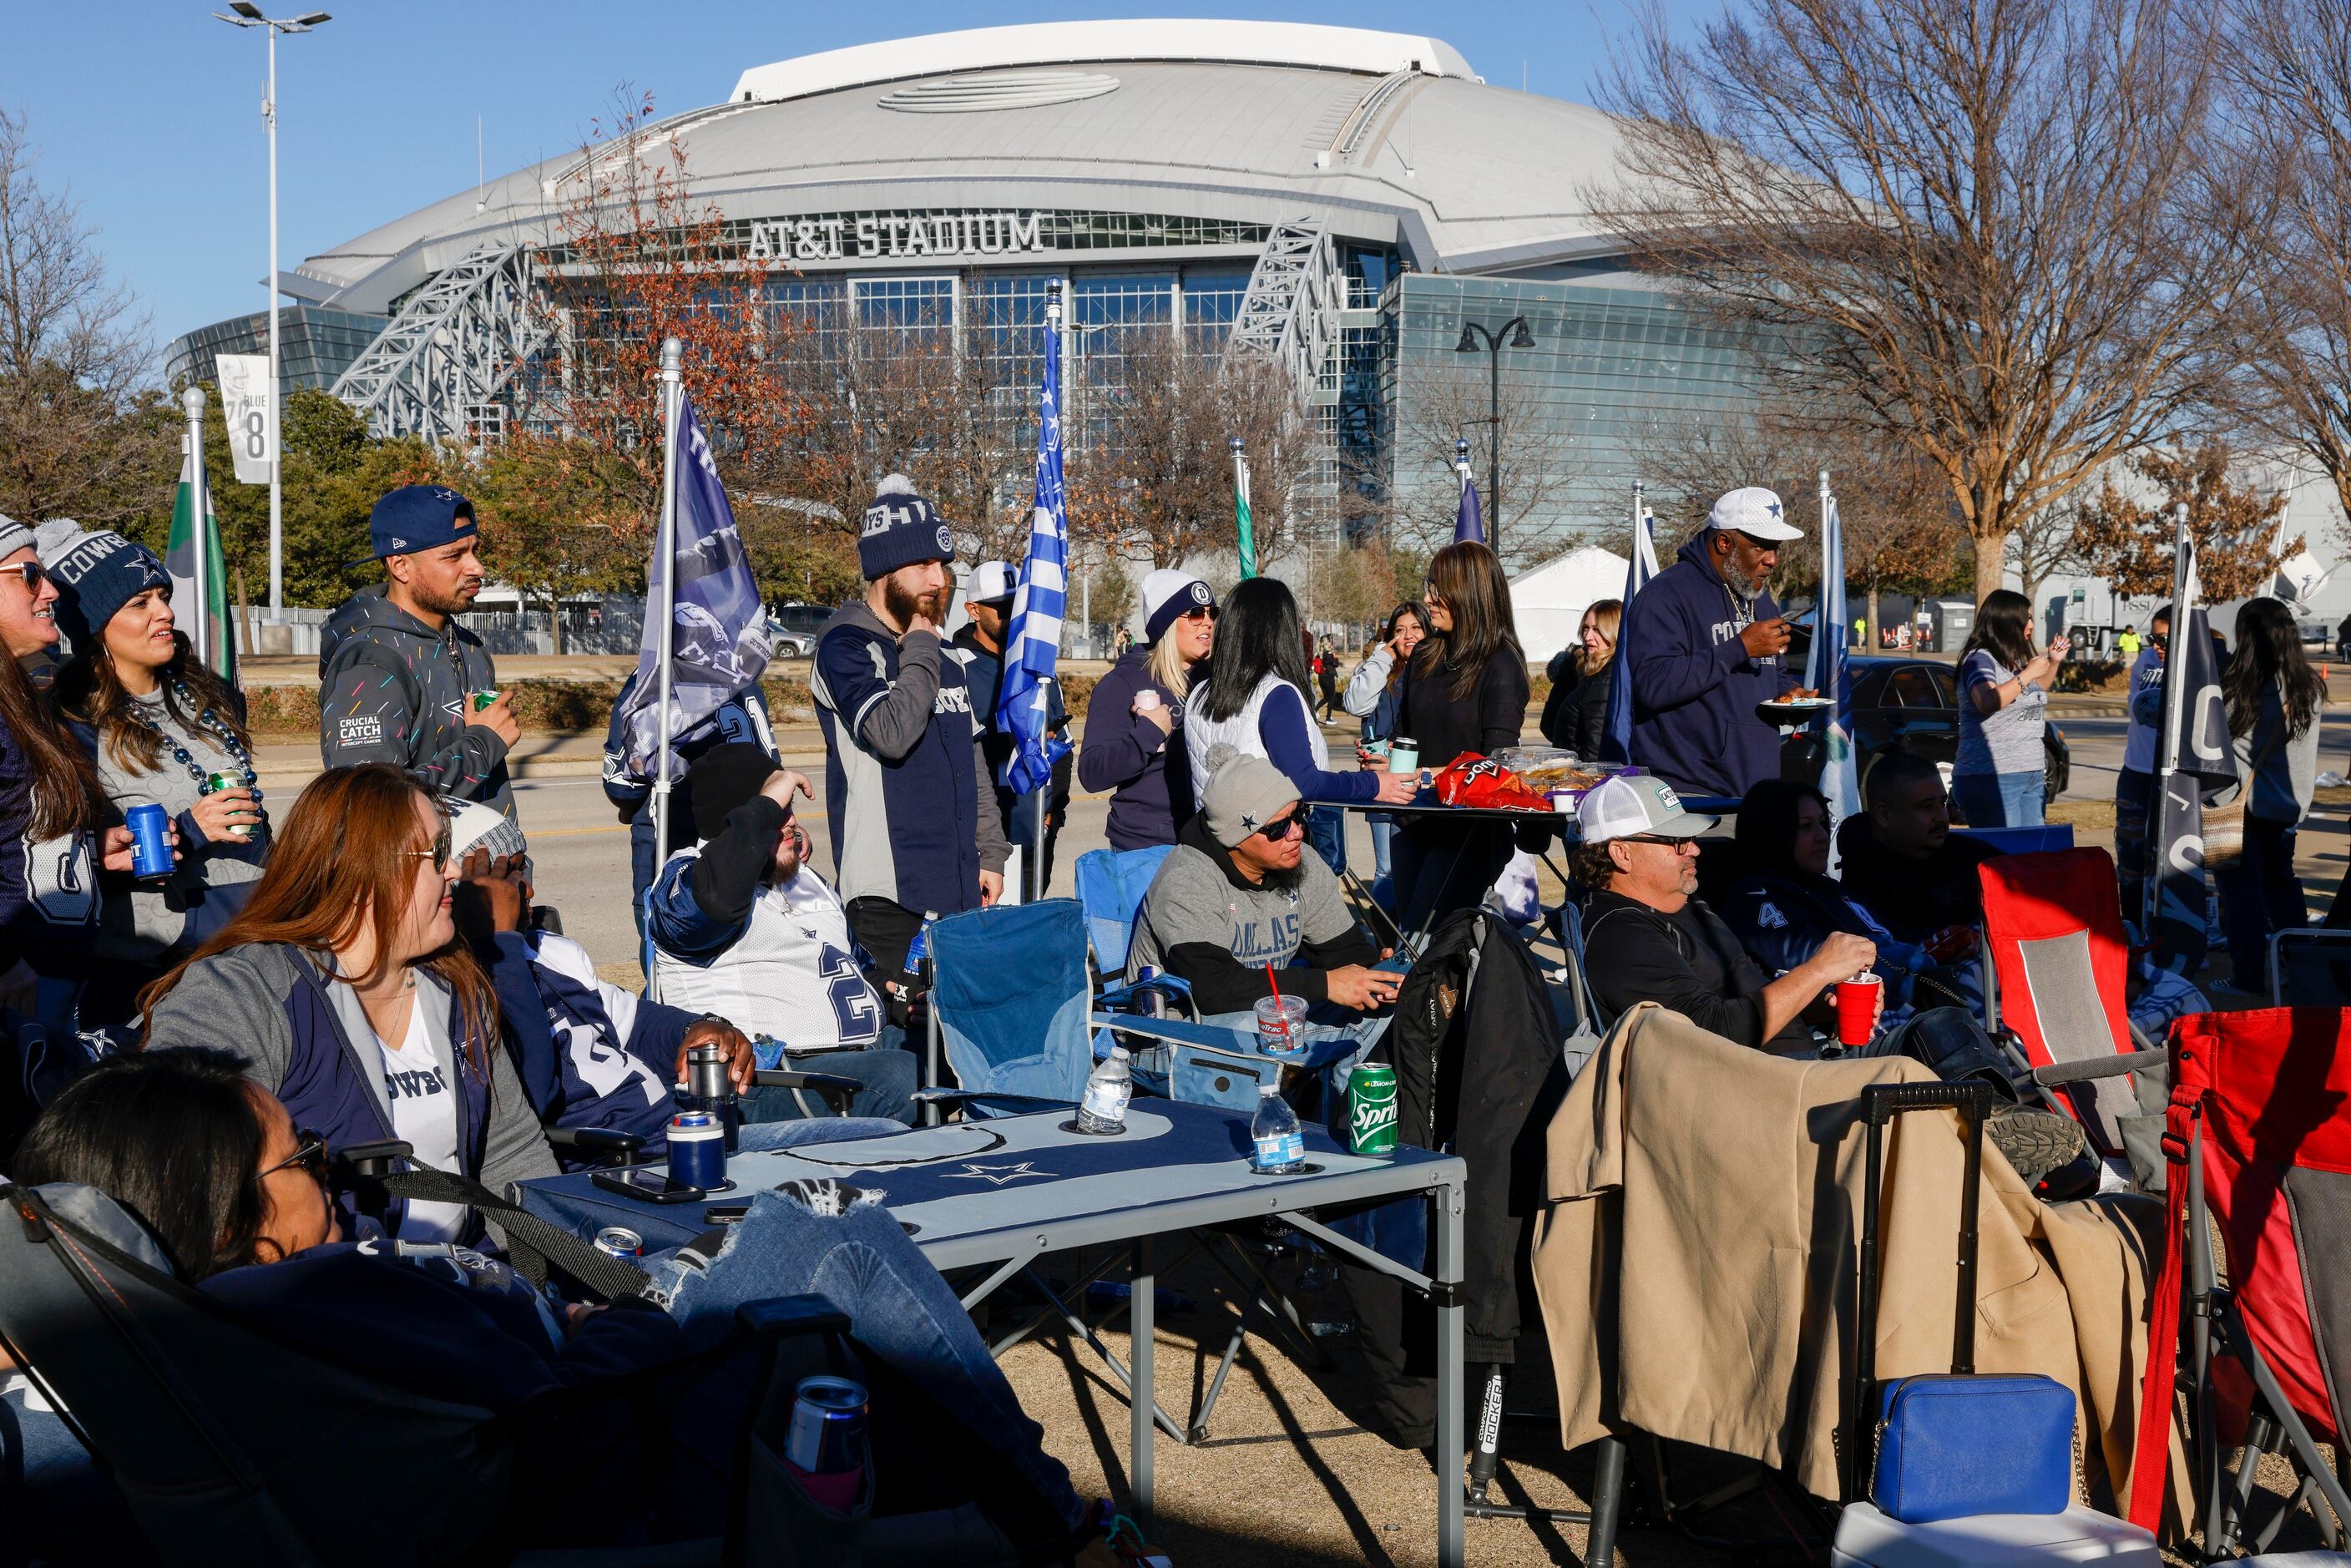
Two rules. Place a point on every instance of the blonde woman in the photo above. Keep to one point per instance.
(1575, 715)
(1134, 744)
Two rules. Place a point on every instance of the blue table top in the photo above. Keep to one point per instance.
(964, 1182)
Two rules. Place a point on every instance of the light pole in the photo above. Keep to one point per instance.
(1520, 338)
(249, 16)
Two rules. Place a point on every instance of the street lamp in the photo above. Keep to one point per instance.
(249, 16)
(1520, 338)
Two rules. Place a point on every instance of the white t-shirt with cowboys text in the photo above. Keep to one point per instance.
(425, 1117)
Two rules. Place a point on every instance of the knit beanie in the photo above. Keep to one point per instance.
(722, 778)
(1245, 793)
(474, 825)
(1168, 593)
(901, 528)
(97, 572)
(14, 535)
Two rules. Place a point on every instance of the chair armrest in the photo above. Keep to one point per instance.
(2097, 1067)
(837, 1090)
(598, 1143)
(1170, 988)
(959, 1096)
(373, 1159)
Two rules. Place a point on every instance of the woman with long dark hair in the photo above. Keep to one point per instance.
(1134, 744)
(343, 986)
(1372, 696)
(1575, 715)
(1465, 690)
(2274, 699)
(159, 725)
(1255, 700)
(1998, 779)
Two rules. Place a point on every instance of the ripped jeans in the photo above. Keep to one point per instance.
(820, 1239)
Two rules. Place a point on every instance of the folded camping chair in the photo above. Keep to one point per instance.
(2259, 1125)
(229, 1447)
(2054, 966)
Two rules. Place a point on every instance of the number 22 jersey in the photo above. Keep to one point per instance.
(790, 972)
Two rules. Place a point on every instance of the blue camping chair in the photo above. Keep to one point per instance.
(1110, 884)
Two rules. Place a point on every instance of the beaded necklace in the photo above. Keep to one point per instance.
(211, 724)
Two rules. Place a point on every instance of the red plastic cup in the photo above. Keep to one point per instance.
(1856, 1005)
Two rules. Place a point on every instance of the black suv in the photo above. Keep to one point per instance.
(1910, 704)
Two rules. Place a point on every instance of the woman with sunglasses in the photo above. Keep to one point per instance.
(161, 726)
(342, 984)
(1133, 745)
(233, 1189)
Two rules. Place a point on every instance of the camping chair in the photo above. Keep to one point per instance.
(2259, 1117)
(211, 1428)
(1111, 885)
(2055, 965)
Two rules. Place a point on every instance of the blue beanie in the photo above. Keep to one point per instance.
(901, 528)
(97, 573)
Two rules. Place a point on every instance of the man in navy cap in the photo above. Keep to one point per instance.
(908, 800)
(398, 677)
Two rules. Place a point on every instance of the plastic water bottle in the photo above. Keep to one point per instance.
(920, 948)
(1108, 1088)
(1275, 1142)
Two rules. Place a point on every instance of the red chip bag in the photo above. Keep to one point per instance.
(1482, 782)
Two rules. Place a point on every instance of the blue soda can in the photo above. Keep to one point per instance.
(828, 1422)
(1150, 1004)
(150, 843)
(697, 1149)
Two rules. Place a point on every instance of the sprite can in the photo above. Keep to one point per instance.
(483, 699)
(1372, 1111)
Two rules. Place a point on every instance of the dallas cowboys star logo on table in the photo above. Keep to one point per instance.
(995, 1176)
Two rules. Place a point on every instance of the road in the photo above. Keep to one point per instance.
(2097, 748)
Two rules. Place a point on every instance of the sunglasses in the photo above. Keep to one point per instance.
(439, 853)
(1654, 839)
(1282, 827)
(31, 573)
(1202, 614)
(310, 1153)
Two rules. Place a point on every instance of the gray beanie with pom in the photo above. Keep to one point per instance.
(901, 528)
(1244, 794)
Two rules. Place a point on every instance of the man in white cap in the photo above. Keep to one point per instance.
(1704, 645)
(1647, 938)
(979, 646)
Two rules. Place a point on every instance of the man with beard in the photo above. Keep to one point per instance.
(1704, 644)
(397, 675)
(1237, 899)
(910, 808)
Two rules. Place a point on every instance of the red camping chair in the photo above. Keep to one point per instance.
(2056, 964)
(2260, 1118)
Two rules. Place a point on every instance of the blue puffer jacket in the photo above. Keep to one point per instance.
(1695, 690)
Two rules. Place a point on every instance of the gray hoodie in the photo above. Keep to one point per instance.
(391, 689)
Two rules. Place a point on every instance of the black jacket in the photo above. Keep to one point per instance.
(1913, 898)
(1689, 961)
(1575, 715)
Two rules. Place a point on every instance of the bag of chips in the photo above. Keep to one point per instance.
(1482, 782)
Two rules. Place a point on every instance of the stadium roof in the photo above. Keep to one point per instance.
(1388, 136)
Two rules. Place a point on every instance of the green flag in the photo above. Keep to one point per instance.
(1246, 535)
(218, 644)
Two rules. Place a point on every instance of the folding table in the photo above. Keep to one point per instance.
(1001, 1193)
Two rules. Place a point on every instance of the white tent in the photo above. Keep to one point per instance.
(1548, 601)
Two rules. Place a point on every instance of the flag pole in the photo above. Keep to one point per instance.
(1245, 538)
(200, 619)
(2175, 698)
(672, 357)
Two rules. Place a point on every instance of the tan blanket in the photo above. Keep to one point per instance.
(1696, 1267)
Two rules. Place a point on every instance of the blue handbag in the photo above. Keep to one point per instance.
(1949, 1446)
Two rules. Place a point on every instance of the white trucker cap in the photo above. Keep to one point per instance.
(1754, 511)
(990, 582)
(1632, 804)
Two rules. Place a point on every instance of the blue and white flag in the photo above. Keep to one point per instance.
(1618, 745)
(1033, 642)
(1466, 522)
(719, 644)
(1825, 672)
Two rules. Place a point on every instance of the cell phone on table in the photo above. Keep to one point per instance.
(649, 1184)
(726, 1213)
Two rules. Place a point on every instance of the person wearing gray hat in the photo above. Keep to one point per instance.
(1239, 899)
(979, 646)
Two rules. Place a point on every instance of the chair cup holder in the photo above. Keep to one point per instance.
(785, 1524)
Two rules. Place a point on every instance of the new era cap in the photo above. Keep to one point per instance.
(1628, 805)
(418, 518)
(990, 582)
(1754, 511)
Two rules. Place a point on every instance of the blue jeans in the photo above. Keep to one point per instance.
(898, 1306)
(2000, 800)
(888, 1071)
(1326, 830)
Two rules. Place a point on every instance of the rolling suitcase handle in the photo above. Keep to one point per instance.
(1880, 1105)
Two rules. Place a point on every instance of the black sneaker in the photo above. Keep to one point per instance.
(2035, 1143)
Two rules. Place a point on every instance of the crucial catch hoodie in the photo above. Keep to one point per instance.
(391, 689)
(1695, 688)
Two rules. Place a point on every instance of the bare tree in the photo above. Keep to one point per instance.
(1541, 462)
(80, 436)
(1972, 223)
(2047, 543)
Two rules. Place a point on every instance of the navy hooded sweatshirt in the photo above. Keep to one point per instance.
(1694, 687)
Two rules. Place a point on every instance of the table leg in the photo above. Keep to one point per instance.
(1450, 1545)
(1141, 1305)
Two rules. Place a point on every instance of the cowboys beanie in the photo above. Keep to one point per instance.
(1245, 793)
(722, 779)
(97, 572)
(476, 826)
(14, 535)
(1168, 593)
(900, 530)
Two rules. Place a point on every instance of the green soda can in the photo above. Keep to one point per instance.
(217, 782)
(1372, 1111)
(482, 700)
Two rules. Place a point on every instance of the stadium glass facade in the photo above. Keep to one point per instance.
(315, 345)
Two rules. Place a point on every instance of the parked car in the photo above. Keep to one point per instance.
(1911, 704)
(792, 629)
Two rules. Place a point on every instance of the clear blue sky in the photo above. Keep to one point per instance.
(149, 110)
